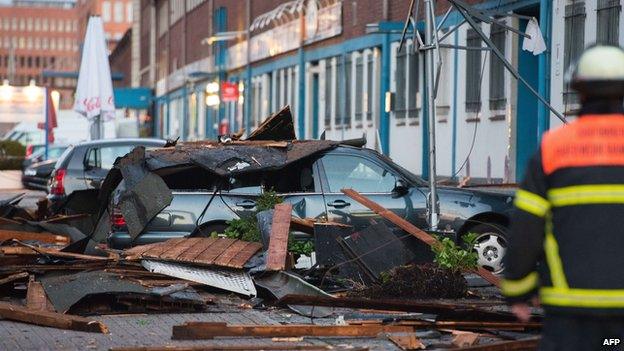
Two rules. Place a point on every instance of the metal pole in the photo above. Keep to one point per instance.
(47, 120)
(432, 205)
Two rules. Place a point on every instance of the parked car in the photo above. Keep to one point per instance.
(85, 165)
(36, 153)
(313, 186)
(36, 175)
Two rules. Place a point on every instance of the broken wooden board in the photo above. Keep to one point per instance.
(406, 342)
(50, 319)
(44, 237)
(523, 344)
(36, 298)
(209, 330)
(410, 228)
(278, 243)
(13, 277)
(243, 347)
(464, 339)
(223, 252)
(444, 311)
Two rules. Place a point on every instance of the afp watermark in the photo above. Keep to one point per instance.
(611, 342)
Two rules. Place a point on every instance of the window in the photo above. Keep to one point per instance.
(370, 88)
(29, 24)
(348, 91)
(104, 158)
(407, 78)
(294, 91)
(163, 21)
(44, 25)
(37, 24)
(359, 89)
(176, 7)
(328, 93)
(68, 25)
(608, 23)
(340, 93)
(442, 98)
(37, 43)
(357, 173)
(129, 12)
(497, 70)
(574, 43)
(118, 12)
(22, 24)
(106, 11)
(191, 4)
(53, 25)
(473, 72)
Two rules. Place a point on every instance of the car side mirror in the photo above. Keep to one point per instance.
(400, 187)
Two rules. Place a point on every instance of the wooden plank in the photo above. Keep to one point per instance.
(13, 277)
(226, 256)
(523, 344)
(17, 250)
(278, 242)
(66, 218)
(244, 255)
(410, 228)
(156, 250)
(209, 330)
(57, 253)
(137, 251)
(464, 339)
(50, 319)
(196, 250)
(208, 256)
(407, 342)
(179, 248)
(43, 237)
(36, 298)
(242, 347)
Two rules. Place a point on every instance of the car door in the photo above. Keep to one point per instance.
(99, 160)
(373, 179)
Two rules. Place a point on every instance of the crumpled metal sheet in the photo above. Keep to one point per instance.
(233, 280)
(66, 290)
(280, 284)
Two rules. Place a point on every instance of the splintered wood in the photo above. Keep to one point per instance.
(223, 252)
(50, 319)
(410, 228)
(278, 243)
(43, 237)
(209, 330)
(36, 298)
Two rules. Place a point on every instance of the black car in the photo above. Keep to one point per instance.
(36, 175)
(38, 154)
(313, 187)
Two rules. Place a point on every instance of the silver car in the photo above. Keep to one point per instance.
(85, 165)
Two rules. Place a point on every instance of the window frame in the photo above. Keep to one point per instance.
(325, 180)
(474, 63)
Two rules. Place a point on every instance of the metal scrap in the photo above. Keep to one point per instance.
(223, 278)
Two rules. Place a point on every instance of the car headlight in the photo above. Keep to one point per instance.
(30, 172)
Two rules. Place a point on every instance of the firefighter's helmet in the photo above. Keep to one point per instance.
(599, 72)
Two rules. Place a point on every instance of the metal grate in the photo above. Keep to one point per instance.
(227, 279)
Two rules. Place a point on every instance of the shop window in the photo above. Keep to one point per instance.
(608, 23)
(473, 72)
(497, 70)
(574, 45)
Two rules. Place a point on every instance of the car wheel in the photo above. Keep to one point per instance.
(205, 231)
(490, 246)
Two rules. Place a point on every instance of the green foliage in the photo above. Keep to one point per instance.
(268, 200)
(11, 163)
(449, 255)
(11, 148)
(246, 227)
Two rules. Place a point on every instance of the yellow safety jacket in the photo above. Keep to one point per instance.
(567, 235)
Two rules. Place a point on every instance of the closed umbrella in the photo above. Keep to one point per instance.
(94, 92)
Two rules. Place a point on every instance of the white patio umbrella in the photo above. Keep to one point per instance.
(94, 92)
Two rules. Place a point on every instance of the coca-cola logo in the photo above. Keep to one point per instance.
(95, 103)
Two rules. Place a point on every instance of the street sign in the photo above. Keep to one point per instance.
(229, 91)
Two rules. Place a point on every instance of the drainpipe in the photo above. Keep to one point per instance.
(302, 74)
(543, 114)
(247, 99)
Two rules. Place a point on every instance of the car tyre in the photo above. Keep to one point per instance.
(491, 246)
(205, 231)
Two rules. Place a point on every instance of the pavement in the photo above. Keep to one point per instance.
(11, 185)
(155, 330)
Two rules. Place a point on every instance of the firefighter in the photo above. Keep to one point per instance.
(566, 246)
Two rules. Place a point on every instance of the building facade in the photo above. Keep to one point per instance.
(37, 36)
(337, 64)
(117, 16)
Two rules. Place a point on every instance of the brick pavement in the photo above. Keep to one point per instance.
(155, 330)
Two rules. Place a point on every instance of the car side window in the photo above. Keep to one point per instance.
(360, 174)
(104, 157)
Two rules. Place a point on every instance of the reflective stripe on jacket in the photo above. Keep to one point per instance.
(567, 234)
